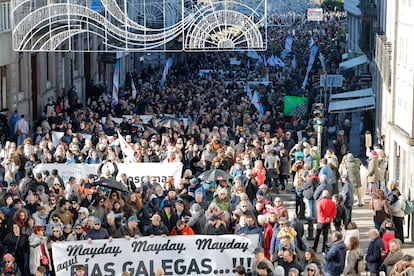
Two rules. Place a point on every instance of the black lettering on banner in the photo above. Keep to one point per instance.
(240, 261)
(167, 266)
(203, 244)
(65, 265)
(109, 270)
(75, 250)
(207, 267)
(179, 269)
(145, 246)
(140, 179)
(139, 269)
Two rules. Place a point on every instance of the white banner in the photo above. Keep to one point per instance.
(67, 170)
(135, 171)
(57, 135)
(177, 255)
(145, 119)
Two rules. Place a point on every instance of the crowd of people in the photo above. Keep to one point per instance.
(263, 153)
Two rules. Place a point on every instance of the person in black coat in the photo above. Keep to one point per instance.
(168, 216)
(375, 248)
(215, 226)
(157, 228)
(250, 185)
(17, 244)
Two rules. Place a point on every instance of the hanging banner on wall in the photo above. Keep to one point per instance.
(177, 255)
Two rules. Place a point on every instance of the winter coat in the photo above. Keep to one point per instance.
(335, 258)
(36, 253)
(352, 166)
(373, 258)
(373, 171)
(198, 222)
(309, 187)
(326, 210)
(392, 258)
(351, 259)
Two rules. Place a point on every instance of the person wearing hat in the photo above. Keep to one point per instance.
(38, 250)
(222, 200)
(157, 227)
(180, 210)
(130, 229)
(195, 187)
(373, 172)
(90, 185)
(168, 215)
(198, 219)
(9, 266)
(259, 255)
(63, 211)
(97, 232)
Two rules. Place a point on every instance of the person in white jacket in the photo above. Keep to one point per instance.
(38, 250)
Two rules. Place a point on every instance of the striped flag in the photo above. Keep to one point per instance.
(133, 89)
(248, 92)
(115, 84)
(167, 67)
(257, 103)
(126, 149)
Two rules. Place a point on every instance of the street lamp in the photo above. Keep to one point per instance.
(318, 126)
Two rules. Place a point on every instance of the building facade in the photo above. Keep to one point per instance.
(394, 60)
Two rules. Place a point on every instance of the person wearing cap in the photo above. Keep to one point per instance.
(261, 197)
(259, 256)
(90, 185)
(373, 172)
(180, 210)
(130, 229)
(38, 249)
(97, 232)
(157, 227)
(251, 228)
(63, 211)
(9, 266)
(195, 187)
(198, 219)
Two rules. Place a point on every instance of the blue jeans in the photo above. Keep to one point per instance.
(311, 207)
(20, 139)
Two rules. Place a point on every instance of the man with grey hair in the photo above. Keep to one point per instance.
(374, 253)
(324, 185)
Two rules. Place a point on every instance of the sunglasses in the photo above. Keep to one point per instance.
(56, 231)
(55, 220)
(78, 228)
(244, 206)
(311, 269)
(282, 224)
(97, 224)
(8, 262)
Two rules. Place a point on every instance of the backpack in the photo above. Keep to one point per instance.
(409, 207)
(360, 264)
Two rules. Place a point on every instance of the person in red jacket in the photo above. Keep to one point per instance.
(268, 233)
(326, 213)
(181, 228)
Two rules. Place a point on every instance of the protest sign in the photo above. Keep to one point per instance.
(135, 171)
(65, 171)
(177, 255)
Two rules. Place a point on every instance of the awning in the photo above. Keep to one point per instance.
(352, 105)
(353, 94)
(353, 62)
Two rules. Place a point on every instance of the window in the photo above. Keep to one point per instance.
(5, 17)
